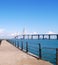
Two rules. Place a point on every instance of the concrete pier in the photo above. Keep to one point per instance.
(10, 55)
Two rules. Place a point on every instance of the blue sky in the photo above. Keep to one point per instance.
(34, 15)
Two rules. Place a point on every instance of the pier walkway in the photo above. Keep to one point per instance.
(10, 55)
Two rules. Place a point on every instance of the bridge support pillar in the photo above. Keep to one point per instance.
(43, 36)
(38, 36)
(49, 37)
(31, 36)
(57, 37)
(23, 36)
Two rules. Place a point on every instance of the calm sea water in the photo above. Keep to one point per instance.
(48, 48)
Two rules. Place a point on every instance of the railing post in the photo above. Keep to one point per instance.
(14, 43)
(40, 56)
(26, 47)
(56, 56)
(0, 42)
(17, 44)
(21, 45)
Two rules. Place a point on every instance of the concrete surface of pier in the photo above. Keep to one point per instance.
(10, 55)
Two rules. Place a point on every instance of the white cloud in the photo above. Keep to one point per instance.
(5, 34)
(50, 32)
(2, 31)
(14, 34)
(35, 32)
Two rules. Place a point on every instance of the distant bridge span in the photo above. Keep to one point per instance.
(38, 36)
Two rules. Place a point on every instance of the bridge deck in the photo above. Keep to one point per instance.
(10, 55)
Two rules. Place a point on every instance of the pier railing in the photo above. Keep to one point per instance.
(45, 53)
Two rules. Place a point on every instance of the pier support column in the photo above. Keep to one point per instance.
(38, 36)
(43, 36)
(57, 37)
(23, 36)
(49, 37)
(28, 36)
(31, 36)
